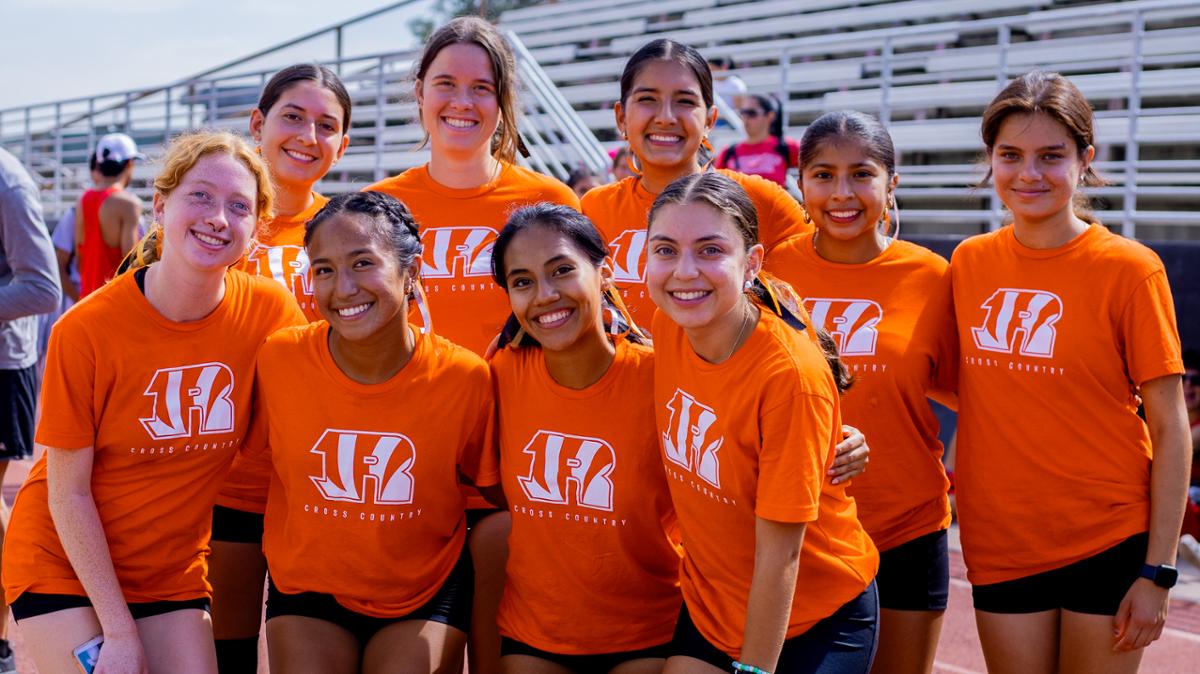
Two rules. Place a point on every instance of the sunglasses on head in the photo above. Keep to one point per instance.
(750, 113)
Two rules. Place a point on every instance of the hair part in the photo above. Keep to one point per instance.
(476, 31)
(848, 125)
(395, 223)
(726, 196)
(182, 155)
(283, 80)
(664, 49)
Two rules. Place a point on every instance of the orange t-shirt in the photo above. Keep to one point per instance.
(164, 405)
(591, 567)
(619, 210)
(753, 437)
(364, 501)
(1053, 461)
(893, 321)
(458, 228)
(278, 253)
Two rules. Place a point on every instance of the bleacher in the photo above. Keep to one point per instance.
(927, 67)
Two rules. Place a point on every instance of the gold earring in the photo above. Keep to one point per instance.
(708, 146)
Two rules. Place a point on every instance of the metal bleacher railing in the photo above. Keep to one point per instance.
(926, 67)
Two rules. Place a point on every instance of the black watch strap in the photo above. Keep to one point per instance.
(1163, 575)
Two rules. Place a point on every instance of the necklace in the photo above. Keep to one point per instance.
(746, 313)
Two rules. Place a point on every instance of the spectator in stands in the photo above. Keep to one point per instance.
(622, 167)
(766, 151)
(1070, 504)
(300, 127)
(887, 303)
(28, 287)
(728, 86)
(108, 214)
(581, 180)
(109, 534)
(466, 94)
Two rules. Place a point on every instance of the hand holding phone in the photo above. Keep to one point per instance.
(87, 654)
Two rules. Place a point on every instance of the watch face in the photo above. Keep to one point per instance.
(1166, 577)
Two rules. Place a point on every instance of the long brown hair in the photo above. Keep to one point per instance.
(476, 31)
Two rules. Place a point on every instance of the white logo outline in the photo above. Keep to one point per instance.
(1037, 320)
(858, 340)
(596, 491)
(398, 488)
(216, 412)
(690, 444)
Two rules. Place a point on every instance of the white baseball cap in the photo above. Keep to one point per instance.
(117, 147)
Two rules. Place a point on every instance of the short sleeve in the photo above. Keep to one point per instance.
(479, 459)
(64, 232)
(780, 216)
(68, 418)
(938, 321)
(796, 443)
(1149, 333)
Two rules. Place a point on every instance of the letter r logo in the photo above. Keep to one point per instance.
(365, 467)
(569, 470)
(191, 399)
(687, 443)
(1019, 320)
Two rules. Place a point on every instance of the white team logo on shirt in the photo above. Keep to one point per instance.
(853, 324)
(457, 252)
(288, 265)
(569, 470)
(190, 400)
(686, 442)
(365, 467)
(1019, 320)
(628, 252)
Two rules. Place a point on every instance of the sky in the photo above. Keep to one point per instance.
(58, 49)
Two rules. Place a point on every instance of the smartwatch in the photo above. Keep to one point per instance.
(1164, 575)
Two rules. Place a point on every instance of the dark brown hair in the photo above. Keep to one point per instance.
(476, 31)
(727, 197)
(305, 72)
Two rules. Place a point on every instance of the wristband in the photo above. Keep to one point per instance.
(748, 669)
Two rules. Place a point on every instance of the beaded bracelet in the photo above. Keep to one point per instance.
(748, 669)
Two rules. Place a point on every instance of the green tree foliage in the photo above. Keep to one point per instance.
(444, 10)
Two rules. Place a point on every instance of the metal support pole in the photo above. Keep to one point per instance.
(58, 157)
(337, 36)
(1003, 39)
(128, 113)
(1131, 141)
(379, 126)
(885, 87)
(28, 151)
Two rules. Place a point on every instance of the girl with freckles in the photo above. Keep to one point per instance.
(1070, 503)
(109, 534)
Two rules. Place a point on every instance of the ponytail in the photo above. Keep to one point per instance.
(144, 253)
(776, 296)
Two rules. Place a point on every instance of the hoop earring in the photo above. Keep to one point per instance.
(629, 161)
(804, 212)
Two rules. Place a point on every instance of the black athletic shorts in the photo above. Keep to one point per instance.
(843, 643)
(915, 575)
(600, 663)
(1095, 585)
(236, 526)
(18, 390)
(33, 604)
(450, 606)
